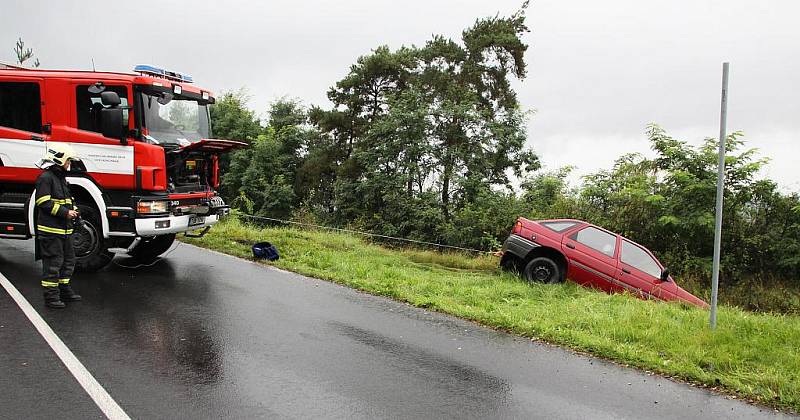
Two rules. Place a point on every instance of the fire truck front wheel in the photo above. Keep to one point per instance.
(91, 249)
(149, 249)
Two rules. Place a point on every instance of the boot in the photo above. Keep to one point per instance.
(67, 294)
(52, 299)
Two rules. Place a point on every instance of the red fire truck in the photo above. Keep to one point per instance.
(149, 165)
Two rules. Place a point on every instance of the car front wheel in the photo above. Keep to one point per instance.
(542, 270)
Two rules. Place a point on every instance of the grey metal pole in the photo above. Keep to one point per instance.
(720, 187)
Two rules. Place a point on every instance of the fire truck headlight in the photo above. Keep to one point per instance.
(151, 207)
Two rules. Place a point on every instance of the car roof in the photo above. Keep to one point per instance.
(583, 223)
(560, 220)
(579, 223)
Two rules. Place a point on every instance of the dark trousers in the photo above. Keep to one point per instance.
(58, 259)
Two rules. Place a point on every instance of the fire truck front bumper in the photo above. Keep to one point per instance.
(184, 215)
(153, 226)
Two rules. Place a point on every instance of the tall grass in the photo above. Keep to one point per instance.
(753, 294)
(754, 355)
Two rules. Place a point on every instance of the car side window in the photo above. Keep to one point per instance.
(89, 105)
(639, 259)
(597, 239)
(20, 106)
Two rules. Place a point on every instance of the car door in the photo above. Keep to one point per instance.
(639, 272)
(591, 252)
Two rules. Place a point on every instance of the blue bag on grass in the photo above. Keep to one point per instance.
(265, 251)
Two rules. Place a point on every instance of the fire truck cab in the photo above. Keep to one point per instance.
(149, 164)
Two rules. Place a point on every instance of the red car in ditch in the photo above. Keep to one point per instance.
(551, 251)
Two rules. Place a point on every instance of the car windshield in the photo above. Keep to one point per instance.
(177, 120)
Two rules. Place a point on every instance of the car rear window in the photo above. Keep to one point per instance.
(559, 226)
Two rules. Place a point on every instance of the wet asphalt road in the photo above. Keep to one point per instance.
(203, 335)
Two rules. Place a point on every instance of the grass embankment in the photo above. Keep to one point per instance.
(754, 355)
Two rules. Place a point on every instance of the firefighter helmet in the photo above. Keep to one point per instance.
(60, 153)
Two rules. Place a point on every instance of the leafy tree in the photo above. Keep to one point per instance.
(548, 195)
(232, 119)
(441, 118)
(262, 178)
(477, 123)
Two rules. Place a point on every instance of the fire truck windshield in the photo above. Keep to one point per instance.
(174, 120)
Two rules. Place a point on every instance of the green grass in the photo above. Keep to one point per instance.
(755, 355)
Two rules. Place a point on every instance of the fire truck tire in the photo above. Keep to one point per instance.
(149, 249)
(91, 249)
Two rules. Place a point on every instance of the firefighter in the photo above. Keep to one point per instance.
(56, 212)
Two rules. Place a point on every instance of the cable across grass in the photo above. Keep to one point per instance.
(756, 356)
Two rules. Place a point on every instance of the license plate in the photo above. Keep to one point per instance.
(196, 220)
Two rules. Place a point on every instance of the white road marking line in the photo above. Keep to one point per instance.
(107, 405)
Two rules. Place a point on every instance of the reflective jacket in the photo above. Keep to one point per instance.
(53, 202)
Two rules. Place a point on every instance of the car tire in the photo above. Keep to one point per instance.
(149, 249)
(543, 270)
(91, 249)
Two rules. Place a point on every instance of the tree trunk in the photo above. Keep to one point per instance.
(446, 176)
(409, 182)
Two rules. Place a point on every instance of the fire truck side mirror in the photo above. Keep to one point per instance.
(111, 124)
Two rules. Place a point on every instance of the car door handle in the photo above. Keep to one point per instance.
(37, 138)
(626, 271)
(570, 246)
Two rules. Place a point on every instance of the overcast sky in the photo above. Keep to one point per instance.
(598, 71)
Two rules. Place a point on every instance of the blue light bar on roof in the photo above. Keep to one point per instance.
(159, 72)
